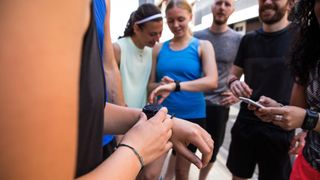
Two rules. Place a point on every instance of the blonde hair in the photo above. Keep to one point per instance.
(183, 4)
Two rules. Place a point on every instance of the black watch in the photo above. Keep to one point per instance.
(151, 109)
(177, 85)
(310, 120)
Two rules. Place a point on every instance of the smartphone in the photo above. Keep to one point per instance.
(249, 101)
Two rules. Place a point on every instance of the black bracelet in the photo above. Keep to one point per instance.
(135, 152)
(177, 85)
(310, 120)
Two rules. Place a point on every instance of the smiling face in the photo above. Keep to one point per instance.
(272, 11)
(150, 33)
(221, 10)
(178, 20)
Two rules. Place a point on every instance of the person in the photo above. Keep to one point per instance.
(226, 43)
(54, 113)
(133, 53)
(182, 69)
(303, 111)
(262, 59)
(99, 8)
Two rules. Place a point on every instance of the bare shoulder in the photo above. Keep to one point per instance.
(157, 48)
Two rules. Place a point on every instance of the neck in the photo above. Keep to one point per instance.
(137, 42)
(217, 28)
(276, 26)
(182, 39)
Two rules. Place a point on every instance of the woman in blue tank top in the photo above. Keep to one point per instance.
(183, 68)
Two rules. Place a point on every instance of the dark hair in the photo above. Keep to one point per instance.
(143, 11)
(306, 50)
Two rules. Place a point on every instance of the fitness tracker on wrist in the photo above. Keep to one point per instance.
(310, 120)
(177, 85)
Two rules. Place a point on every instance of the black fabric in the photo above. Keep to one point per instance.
(263, 57)
(217, 117)
(92, 96)
(254, 143)
(109, 148)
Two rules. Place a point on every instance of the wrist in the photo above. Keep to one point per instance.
(232, 80)
(311, 120)
(135, 152)
(177, 86)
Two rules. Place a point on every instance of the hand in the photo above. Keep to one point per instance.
(266, 102)
(166, 80)
(297, 143)
(287, 117)
(228, 98)
(163, 91)
(184, 133)
(240, 88)
(151, 137)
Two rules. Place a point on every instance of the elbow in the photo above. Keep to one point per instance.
(213, 84)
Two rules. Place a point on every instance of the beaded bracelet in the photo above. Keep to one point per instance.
(135, 152)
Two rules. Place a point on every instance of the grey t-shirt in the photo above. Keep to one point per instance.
(226, 46)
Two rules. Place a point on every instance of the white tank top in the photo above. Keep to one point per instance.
(135, 68)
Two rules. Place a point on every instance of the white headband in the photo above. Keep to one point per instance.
(149, 18)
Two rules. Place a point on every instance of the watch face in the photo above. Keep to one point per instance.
(151, 109)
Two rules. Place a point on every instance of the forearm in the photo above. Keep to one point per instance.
(152, 86)
(112, 168)
(114, 86)
(118, 119)
(199, 85)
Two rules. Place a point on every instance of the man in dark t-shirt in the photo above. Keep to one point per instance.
(261, 58)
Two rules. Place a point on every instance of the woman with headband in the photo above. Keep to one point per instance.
(133, 52)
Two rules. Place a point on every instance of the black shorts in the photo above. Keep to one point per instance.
(257, 143)
(200, 122)
(217, 117)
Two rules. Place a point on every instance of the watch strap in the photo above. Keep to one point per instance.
(310, 120)
(177, 85)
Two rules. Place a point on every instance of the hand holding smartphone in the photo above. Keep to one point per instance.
(251, 102)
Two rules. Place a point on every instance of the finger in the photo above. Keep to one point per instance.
(275, 110)
(151, 97)
(246, 89)
(160, 116)
(142, 117)
(190, 156)
(205, 146)
(251, 107)
(238, 90)
(161, 100)
(168, 146)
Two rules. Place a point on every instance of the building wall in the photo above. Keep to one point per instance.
(244, 17)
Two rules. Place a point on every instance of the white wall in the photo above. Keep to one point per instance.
(120, 12)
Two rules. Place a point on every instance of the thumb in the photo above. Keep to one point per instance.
(142, 117)
(161, 115)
